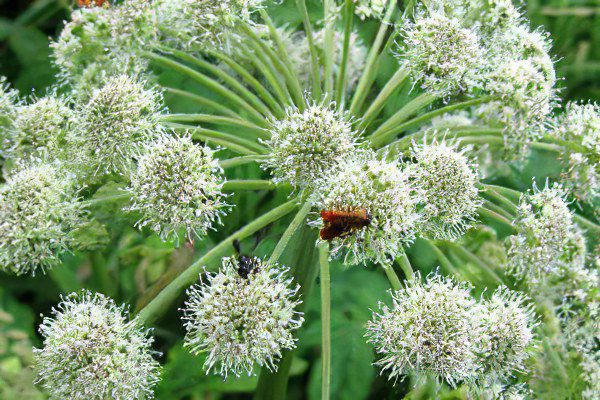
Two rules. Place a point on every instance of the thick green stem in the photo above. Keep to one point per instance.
(445, 263)
(366, 80)
(256, 184)
(314, 57)
(289, 232)
(325, 321)
(106, 199)
(390, 87)
(404, 263)
(329, 45)
(242, 160)
(340, 86)
(203, 101)
(469, 256)
(392, 277)
(493, 215)
(217, 120)
(163, 299)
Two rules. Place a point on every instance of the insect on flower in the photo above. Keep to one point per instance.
(92, 3)
(246, 264)
(343, 223)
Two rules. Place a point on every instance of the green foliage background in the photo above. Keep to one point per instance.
(132, 262)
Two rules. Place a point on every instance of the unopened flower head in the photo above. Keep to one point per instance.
(92, 351)
(428, 330)
(198, 24)
(549, 242)
(40, 127)
(119, 118)
(494, 15)
(506, 340)
(244, 315)
(447, 181)
(370, 8)
(9, 99)
(177, 188)
(382, 190)
(100, 42)
(296, 44)
(38, 211)
(441, 54)
(305, 145)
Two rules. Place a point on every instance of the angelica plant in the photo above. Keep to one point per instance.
(343, 143)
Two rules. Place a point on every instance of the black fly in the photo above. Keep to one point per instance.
(246, 264)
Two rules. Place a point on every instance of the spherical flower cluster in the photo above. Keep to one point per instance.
(198, 24)
(38, 212)
(549, 242)
(9, 99)
(101, 42)
(306, 144)
(494, 15)
(442, 54)
(296, 45)
(447, 182)
(383, 191)
(177, 188)
(580, 126)
(242, 316)
(40, 127)
(506, 340)
(91, 351)
(119, 118)
(429, 329)
(369, 8)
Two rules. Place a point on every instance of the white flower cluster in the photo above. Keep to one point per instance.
(177, 188)
(306, 144)
(9, 100)
(437, 329)
(549, 242)
(447, 182)
(580, 126)
(197, 24)
(120, 117)
(370, 8)
(39, 210)
(91, 351)
(382, 190)
(244, 315)
(100, 42)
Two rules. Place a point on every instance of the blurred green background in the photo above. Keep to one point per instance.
(131, 262)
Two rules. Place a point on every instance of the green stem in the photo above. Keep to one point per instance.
(203, 101)
(380, 136)
(242, 160)
(466, 254)
(207, 82)
(392, 277)
(256, 184)
(483, 211)
(509, 206)
(163, 299)
(496, 208)
(341, 78)
(390, 87)
(404, 263)
(325, 321)
(316, 82)
(97, 200)
(445, 263)
(217, 120)
(366, 79)
(233, 142)
(329, 46)
(394, 127)
(289, 232)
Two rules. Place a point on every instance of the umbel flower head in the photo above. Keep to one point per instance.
(177, 188)
(306, 144)
(200, 24)
(447, 182)
(428, 330)
(92, 351)
(243, 315)
(549, 243)
(40, 127)
(119, 118)
(370, 8)
(506, 340)
(441, 54)
(100, 42)
(9, 99)
(580, 125)
(383, 191)
(38, 211)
